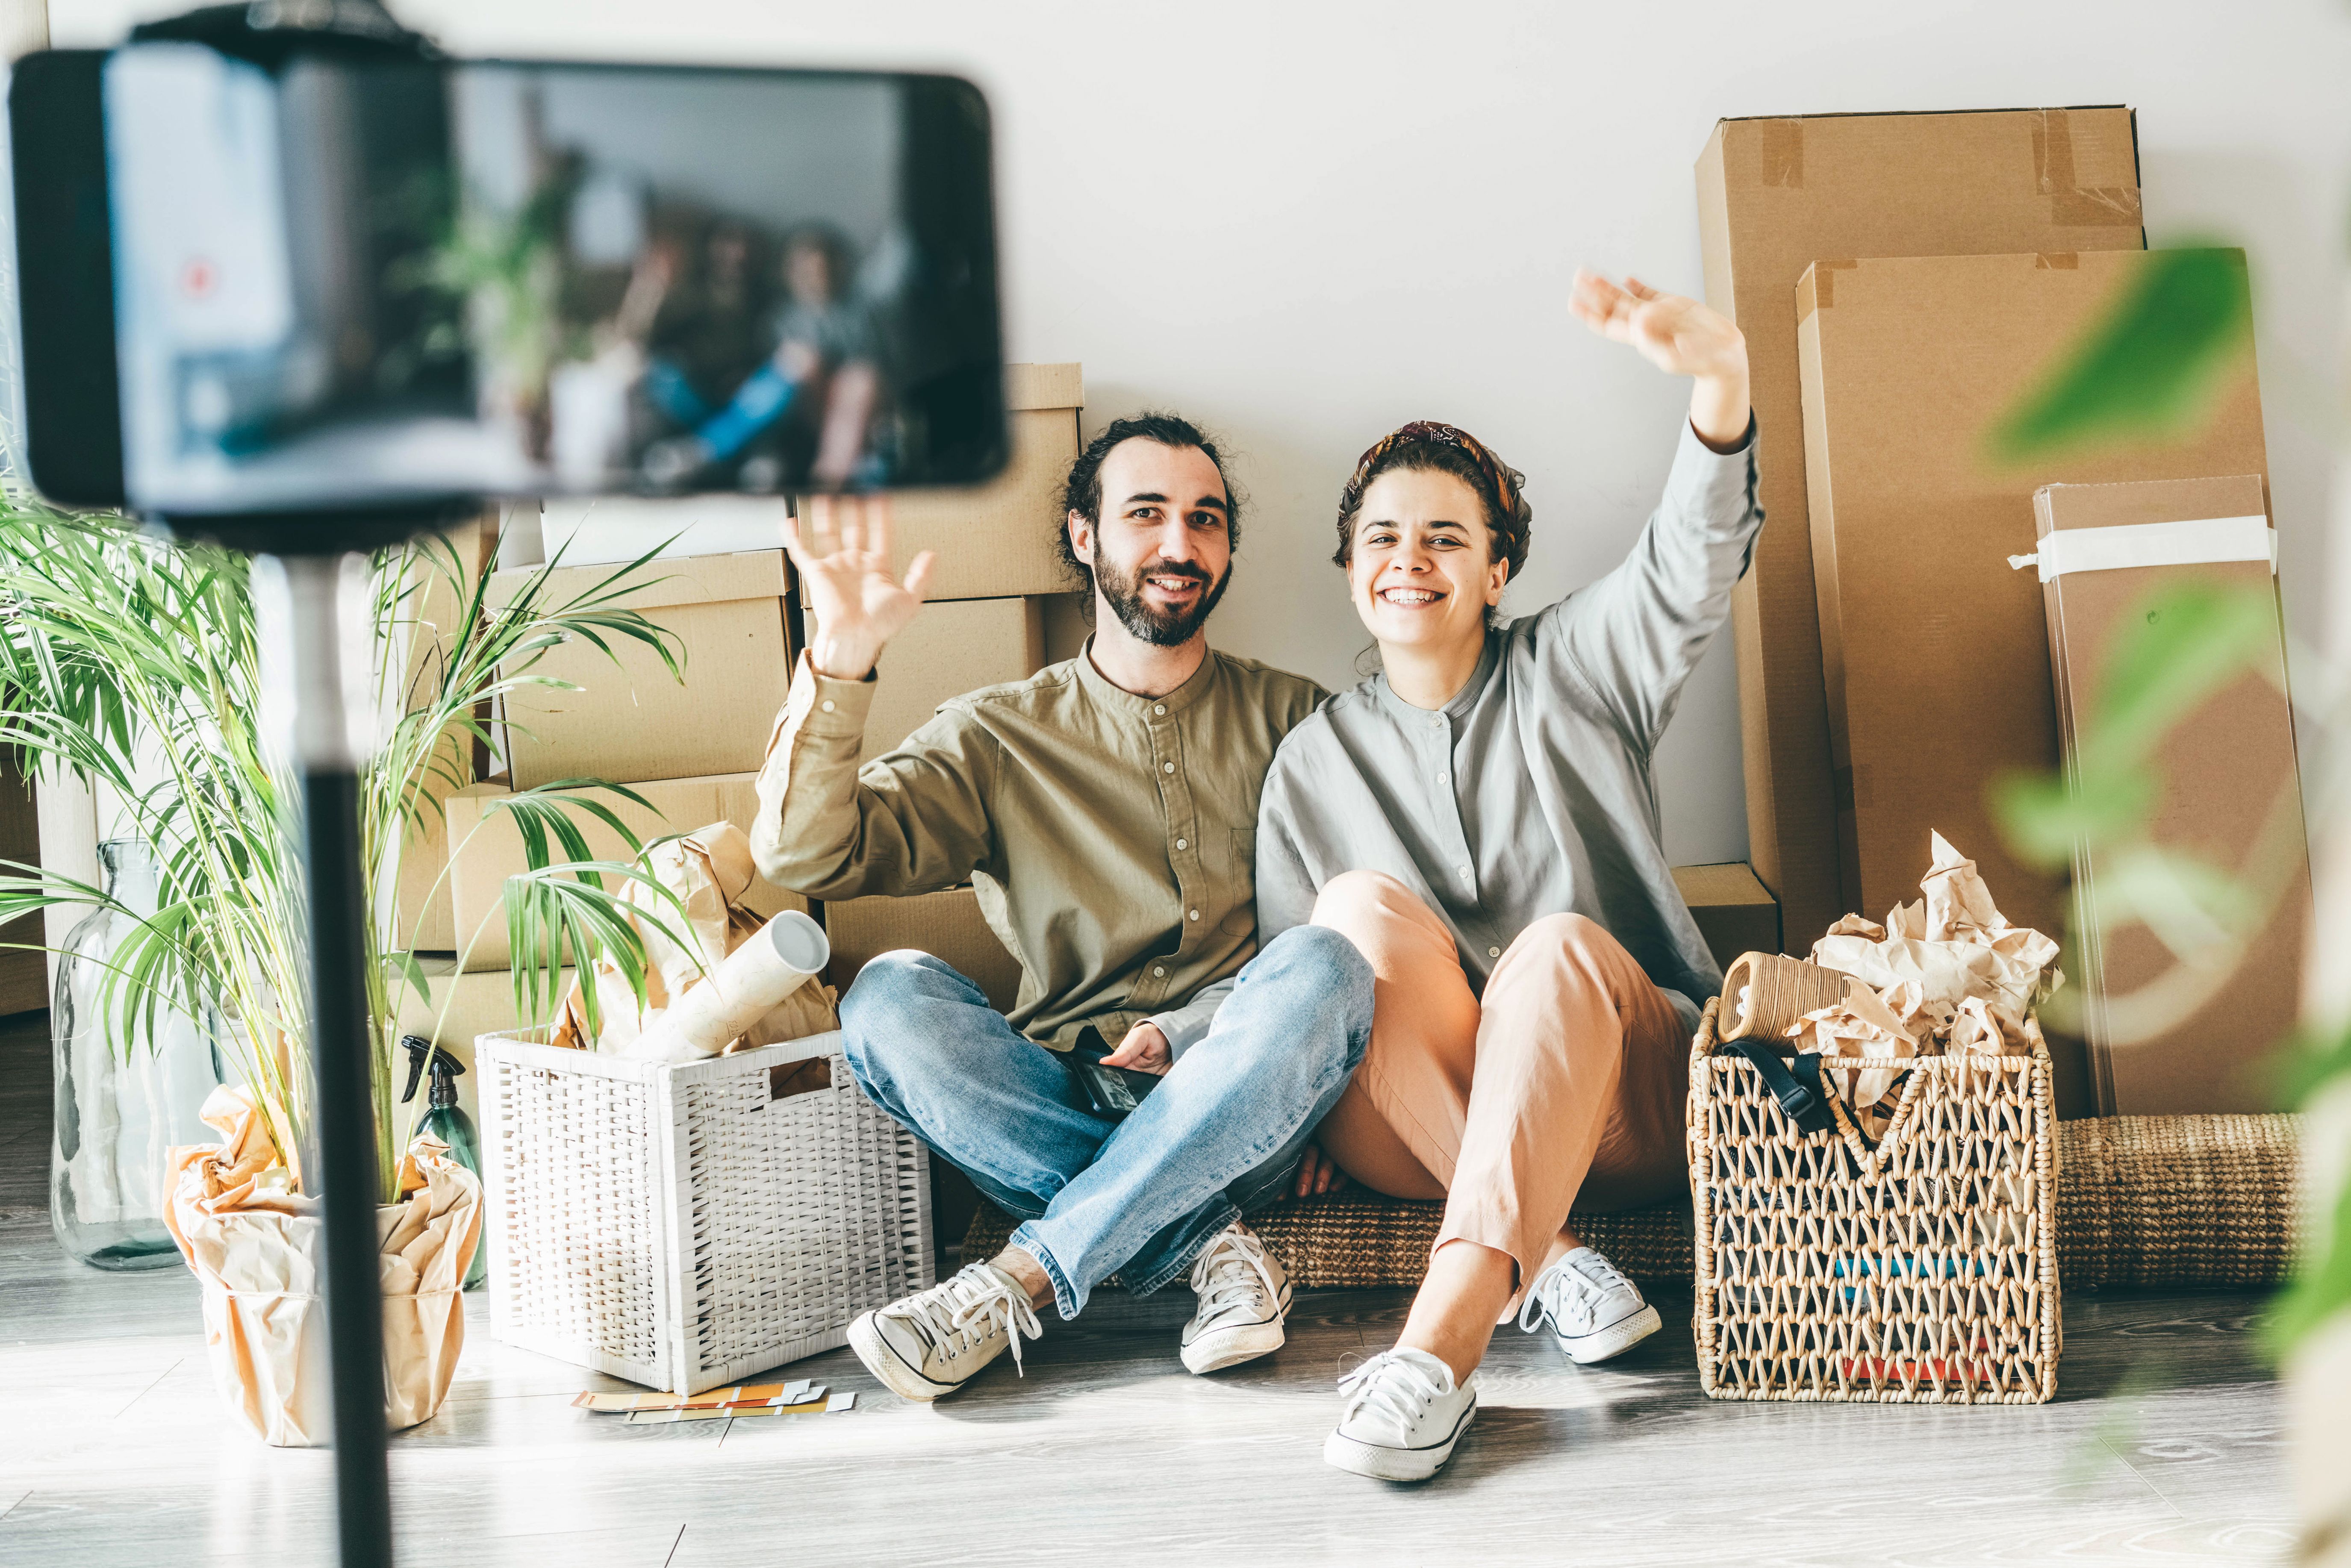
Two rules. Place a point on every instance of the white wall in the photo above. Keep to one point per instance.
(1304, 226)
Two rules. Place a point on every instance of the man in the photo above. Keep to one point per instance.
(1106, 810)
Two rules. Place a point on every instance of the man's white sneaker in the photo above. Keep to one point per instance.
(1594, 1310)
(935, 1342)
(1402, 1419)
(1244, 1295)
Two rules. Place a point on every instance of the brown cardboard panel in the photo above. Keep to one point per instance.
(489, 849)
(946, 925)
(2224, 770)
(1066, 625)
(422, 900)
(945, 651)
(1937, 652)
(631, 721)
(997, 541)
(1735, 912)
(1774, 196)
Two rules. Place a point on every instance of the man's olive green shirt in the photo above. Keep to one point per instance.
(1111, 837)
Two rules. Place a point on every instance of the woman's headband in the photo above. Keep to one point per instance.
(1502, 481)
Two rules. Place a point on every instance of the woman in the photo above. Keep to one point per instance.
(1479, 819)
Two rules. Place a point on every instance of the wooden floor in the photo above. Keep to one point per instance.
(2164, 1446)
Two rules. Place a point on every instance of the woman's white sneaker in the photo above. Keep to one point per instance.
(935, 1342)
(1594, 1310)
(1244, 1297)
(1402, 1419)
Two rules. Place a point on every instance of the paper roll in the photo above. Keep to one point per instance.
(1764, 993)
(756, 977)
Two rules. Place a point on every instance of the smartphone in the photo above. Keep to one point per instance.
(353, 285)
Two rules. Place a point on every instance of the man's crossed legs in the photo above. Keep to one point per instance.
(1147, 1198)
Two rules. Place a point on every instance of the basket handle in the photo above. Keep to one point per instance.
(1802, 1097)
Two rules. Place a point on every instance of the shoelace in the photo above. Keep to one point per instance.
(1229, 1272)
(1390, 1386)
(1565, 1284)
(979, 1300)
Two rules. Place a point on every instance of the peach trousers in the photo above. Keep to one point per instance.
(1567, 1083)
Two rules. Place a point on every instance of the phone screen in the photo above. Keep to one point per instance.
(368, 285)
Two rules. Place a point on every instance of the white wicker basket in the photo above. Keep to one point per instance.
(687, 1227)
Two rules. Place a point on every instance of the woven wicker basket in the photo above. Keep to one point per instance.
(1924, 1271)
(688, 1226)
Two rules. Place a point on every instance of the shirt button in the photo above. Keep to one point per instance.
(1196, 915)
(1465, 871)
(1167, 768)
(1181, 844)
(1493, 952)
(827, 704)
(1159, 707)
(1440, 778)
(1158, 973)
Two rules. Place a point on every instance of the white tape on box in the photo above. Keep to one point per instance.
(2192, 543)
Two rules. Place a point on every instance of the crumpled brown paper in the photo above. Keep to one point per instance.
(258, 1248)
(709, 869)
(1946, 974)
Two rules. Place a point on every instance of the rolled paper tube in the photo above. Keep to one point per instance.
(769, 966)
(1764, 993)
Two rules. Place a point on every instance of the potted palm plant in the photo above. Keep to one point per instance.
(134, 665)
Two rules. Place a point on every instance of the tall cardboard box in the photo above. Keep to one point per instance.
(1936, 652)
(485, 848)
(945, 651)
(1734, 912)
(2232, 793)
(631, 721)
(1774, 196)
(997, 541)
(944, 924)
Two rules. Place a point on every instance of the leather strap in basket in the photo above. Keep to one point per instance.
(1780, 990)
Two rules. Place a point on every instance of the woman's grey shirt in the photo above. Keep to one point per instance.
(1529, 793)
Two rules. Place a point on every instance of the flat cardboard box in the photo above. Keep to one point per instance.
(488, 850)
(944, 924)
(2228, 772)
(460, 1008)
(945, 651)
(1734, 912)
(1936, 651)
(632, 721)
(1774, 196)
(997, 541)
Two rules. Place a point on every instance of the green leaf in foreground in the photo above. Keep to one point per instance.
(2150, 368)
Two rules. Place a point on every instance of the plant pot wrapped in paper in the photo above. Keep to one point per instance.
(258, 1245)
(706, 872)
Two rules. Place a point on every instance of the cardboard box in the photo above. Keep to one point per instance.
(631, 721)
(461, 1007)
(23, 968)
(1735, 912)
(423, 916)
(946, 925)
(1936, 652)
(488, 850)
(1774, 196)
(2228, 775)
(997, 541)
(945, 651)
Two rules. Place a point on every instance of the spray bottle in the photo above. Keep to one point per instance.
(447, 1121)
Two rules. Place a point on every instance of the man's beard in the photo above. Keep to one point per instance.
(1160, 628)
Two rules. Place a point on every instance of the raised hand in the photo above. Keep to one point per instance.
(840, 545)
(1681, 338)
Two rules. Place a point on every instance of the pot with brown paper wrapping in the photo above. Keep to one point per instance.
(741, 982)
(257, 1245)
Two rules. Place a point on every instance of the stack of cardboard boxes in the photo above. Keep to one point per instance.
(1902, 281)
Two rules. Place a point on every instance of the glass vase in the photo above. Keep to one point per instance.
(125, 1094)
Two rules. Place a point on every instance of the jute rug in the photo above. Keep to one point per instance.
(2141, 1200)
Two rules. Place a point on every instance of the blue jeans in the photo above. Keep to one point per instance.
(1141, 1196)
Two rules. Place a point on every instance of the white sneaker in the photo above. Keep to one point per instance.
(935, 1342)
(1243, 1296)
(1594, 1310)
(1402, 1416)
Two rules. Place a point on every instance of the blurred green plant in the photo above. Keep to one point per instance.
(132, 662)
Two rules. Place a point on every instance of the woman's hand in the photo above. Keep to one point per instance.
(1319, 1173)
(842, 546)
(1681, 338)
